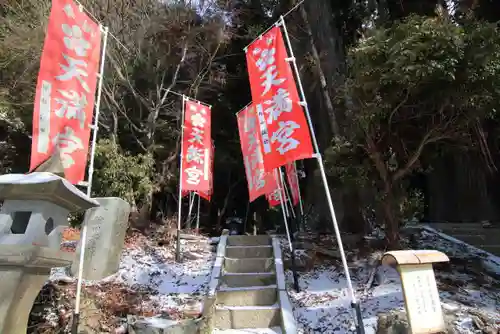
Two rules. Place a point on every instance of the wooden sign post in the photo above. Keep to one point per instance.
(420, 292)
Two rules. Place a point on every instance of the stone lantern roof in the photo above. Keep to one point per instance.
(44, 186)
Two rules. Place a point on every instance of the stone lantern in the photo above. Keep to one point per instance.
(35, 209)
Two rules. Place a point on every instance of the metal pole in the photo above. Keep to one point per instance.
(282, 189)
(292, 251)
(288, 198)
(94, 127)
(179, 209)
(301, 206)
(198, 214)
(300, 220)
(354, 303)
(191, 203)
(293, 224)
(246, 217)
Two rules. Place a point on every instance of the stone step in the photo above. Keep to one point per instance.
(240, 317)
(249, 279)
(248, 240)
(248, 296)
(249, 265)
(249, 251)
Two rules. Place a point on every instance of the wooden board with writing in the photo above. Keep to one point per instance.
(421, 299)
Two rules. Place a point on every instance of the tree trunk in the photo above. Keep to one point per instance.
(388, 186)
(391, 218)
(325, 44)
(321, 38)
(321, 74)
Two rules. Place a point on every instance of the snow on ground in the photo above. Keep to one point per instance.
(172, 285)
(149, 279)
(455, 247)
(323, 303)
(274, 330)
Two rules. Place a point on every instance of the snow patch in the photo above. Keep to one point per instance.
(169, 288)
(273, 330)
(323, 304)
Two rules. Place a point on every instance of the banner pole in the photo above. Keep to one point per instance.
(292, 251)
(191, 203)
(288, 198)
(94, 127)
(198, 215)
(293, 223)
(246, 217)
(179, 209)
(301, 206)
(354, 302)
(300, 221)
(283, 192)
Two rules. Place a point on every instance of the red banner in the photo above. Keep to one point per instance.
(203, 194)
(65, 91)
(196, 147)
(206, 194)
(273, 197)
(293, 181)
(283, 126)
(259, 182)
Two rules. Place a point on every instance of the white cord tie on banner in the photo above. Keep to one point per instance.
(290, 59)
(303, 103)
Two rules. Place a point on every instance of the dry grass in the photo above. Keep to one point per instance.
(103, 304)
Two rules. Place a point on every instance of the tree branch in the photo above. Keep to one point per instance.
(205, 70)
(395, 110)
(153, 116)
(376, 157)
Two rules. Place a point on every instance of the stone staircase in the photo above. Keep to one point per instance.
(248, 287)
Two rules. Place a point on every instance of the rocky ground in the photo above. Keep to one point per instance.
(149, 285)
(469, 288)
